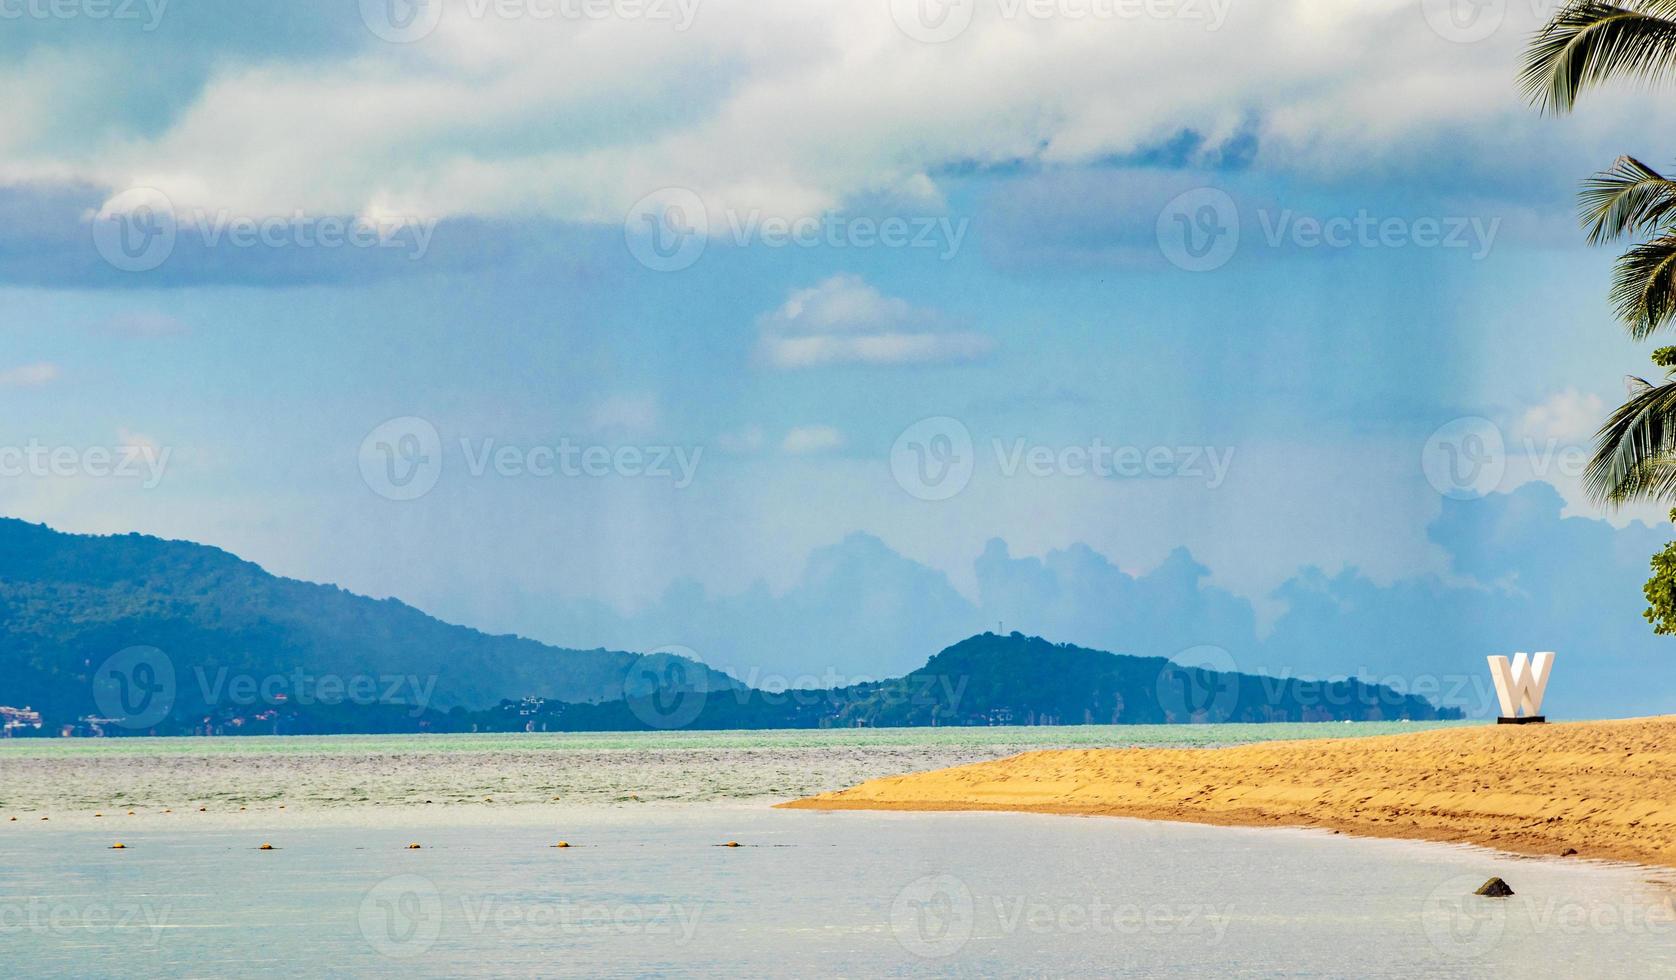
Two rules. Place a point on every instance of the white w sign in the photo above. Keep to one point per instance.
(1521, 684)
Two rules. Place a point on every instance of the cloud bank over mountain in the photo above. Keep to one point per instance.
(1517, 582)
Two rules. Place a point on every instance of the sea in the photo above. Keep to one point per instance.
(651, 883)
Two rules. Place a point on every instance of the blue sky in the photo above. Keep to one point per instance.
(1407, 258)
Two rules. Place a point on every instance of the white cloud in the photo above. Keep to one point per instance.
(29, 375)
(1568, 416)
(843, 320)
(807, 439)
(818, 102)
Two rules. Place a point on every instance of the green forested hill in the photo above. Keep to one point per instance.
(69, 602)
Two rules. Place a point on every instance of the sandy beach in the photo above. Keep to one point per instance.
(1594, 789)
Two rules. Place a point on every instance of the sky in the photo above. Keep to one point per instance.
(816, 336)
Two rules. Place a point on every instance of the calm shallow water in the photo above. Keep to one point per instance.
(648, 892)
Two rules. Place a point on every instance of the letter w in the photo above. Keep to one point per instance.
(1522, 683)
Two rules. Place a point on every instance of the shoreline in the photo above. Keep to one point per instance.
(1599, 790)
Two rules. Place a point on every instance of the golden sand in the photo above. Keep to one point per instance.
(1597, 789)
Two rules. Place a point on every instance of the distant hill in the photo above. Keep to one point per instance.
(134, 635)
(991, 679)
(240, 642)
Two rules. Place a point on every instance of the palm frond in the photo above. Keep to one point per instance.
(1635, 451)
(1644, 285)
(1588, 42)
(1627, 198)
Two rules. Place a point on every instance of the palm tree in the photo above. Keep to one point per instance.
(1585, 44)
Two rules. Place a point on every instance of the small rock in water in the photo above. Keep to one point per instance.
(1494, 888)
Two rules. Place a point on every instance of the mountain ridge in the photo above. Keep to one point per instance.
(96, 631)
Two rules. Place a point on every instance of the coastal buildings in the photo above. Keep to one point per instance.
(18, 721)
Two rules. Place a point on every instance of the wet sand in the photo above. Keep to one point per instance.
(1594, 789)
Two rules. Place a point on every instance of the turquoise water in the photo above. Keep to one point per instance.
(1063, 736)
(75, 778)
